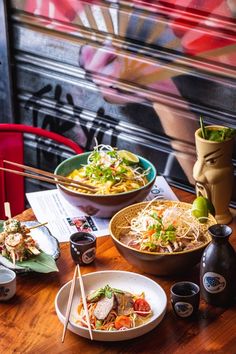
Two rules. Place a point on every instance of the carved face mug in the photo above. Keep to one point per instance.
(213, 173)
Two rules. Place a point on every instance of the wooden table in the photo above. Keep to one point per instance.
(29, 324)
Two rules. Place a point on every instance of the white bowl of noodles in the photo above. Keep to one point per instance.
(125, 281)
(167, 250)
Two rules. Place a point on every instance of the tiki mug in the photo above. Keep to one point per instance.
(213, 173)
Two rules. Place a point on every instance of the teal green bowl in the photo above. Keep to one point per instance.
(102, 206)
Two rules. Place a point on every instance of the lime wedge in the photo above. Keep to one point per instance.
(210, 207)
(200, 209)
(128, 156)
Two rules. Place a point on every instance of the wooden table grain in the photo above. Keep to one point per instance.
(29, 324)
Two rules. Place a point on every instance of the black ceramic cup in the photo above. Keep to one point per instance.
(83, 247)
(185, 297)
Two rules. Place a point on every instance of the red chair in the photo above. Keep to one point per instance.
(12, 188)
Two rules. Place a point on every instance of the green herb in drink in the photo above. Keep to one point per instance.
(217, 135)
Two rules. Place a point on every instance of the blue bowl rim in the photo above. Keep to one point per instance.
(152, 180)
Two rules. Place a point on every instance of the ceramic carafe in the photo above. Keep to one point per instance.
(218, 268)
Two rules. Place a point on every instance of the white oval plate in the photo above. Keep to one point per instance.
(131, 282)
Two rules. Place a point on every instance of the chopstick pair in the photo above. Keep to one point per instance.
(70, 299)
(47, 176)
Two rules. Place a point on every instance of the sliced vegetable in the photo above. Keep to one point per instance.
(210, 207)
(142, 307)
(107, 291)
(200, 208)
(95, 295)
(122, 321)
(128, 156)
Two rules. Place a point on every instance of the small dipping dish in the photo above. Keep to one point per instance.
(83, 247)
(185, 297)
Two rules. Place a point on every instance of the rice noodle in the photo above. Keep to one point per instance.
(127, 310)
(109, 172)
(165, 228)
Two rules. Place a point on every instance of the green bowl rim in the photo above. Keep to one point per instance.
(148, 252)
(107, 195)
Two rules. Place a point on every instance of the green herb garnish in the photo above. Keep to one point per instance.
(107, 291)
(217, 135)
(151, 246)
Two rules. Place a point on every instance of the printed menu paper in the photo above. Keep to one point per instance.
(64, 219)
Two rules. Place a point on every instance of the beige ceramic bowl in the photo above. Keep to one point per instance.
(131, 282)
(154, 262)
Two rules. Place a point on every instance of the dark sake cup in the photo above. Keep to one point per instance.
(185, 297)
(83, 247)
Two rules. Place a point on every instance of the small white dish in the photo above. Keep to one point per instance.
(127, 281)
(7, 283)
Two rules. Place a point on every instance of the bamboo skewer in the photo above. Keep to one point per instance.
(69, 304)
(38, 225)
(7, 210)
(48, 177)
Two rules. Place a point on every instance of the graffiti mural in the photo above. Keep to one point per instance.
(172, 60)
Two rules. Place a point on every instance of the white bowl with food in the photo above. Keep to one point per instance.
(122, 305)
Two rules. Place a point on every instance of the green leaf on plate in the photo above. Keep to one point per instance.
(43, 263)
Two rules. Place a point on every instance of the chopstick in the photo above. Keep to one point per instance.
(84, 302)
(48, 176)
(52, 175)
(68, 309)
(45, 179)
(69, 304)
